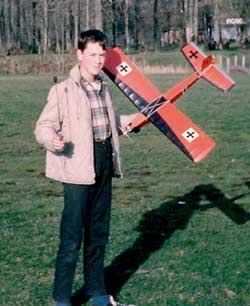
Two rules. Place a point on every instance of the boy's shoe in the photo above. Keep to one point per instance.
(112, 302)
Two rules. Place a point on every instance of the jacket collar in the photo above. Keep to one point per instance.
(75, 74)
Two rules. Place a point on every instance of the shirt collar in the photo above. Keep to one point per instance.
(98, 84)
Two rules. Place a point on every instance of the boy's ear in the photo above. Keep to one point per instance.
(79, 54)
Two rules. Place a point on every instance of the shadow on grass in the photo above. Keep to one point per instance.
(157, 225)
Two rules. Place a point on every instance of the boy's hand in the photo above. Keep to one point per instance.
(136, 130)
(59, 143)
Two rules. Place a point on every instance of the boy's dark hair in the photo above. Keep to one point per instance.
(94, 36)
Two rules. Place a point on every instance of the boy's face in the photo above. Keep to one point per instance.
(91, 60)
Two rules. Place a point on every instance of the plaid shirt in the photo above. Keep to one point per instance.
(99, 111)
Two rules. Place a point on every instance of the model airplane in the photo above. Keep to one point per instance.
(158, 108)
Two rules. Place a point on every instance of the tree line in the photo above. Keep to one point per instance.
(42, 26)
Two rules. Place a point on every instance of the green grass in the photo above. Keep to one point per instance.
(173, 254)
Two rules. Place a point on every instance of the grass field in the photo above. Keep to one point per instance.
(180, 231)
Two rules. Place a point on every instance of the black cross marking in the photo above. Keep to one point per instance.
(123, 68)
(190, 134)
(193, 54)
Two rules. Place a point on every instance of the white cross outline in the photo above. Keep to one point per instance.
(123, 68)
(190, 134)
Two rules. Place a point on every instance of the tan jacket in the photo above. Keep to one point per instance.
(68, 112)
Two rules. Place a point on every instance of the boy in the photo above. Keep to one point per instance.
(79, 129)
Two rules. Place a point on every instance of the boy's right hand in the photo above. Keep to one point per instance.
(59, 143)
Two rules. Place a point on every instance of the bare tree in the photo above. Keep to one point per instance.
(57, 27)
(68, 25)
(98, 15)
(76, 22)
(127, 32)
(45, 28)
(137, 24)
(191, 20)
(114, 22)
(7, 24)
(187, 24)
(195, 21)
(217, 23)
(155, 25)
(1, 27)
(87, 14)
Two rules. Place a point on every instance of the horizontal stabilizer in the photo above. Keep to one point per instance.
(218, 78)
(205, 67)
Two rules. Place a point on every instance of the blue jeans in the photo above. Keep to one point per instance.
(85, 217)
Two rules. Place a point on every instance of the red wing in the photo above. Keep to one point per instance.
(119, 66)
(187, 136)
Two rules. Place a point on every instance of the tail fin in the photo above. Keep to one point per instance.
(205, 67)
(208, 61)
